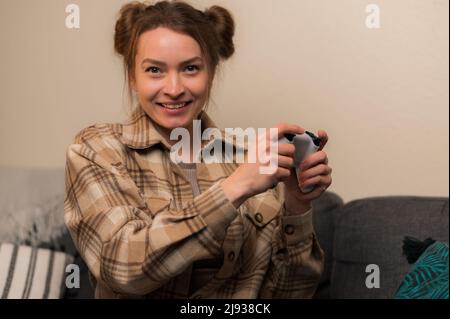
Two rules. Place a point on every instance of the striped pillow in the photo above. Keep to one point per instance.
(31, 273)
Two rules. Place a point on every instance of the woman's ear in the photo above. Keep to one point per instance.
(132, 80)
(133, 85)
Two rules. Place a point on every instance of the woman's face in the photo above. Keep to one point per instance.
(170, 71)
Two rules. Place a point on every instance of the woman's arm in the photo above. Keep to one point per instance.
(297, 258)
(113, 229)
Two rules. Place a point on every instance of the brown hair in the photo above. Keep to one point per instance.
(213, 29)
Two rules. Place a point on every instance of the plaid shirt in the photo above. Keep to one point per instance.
(133, 217)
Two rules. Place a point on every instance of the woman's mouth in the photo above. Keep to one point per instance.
(174, 107)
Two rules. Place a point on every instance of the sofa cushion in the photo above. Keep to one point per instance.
(371, 231)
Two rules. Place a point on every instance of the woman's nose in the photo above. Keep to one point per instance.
(174, 85)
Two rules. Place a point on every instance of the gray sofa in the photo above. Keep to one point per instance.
(371, 231)
(353, 235)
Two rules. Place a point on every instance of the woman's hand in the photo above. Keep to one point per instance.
(248, 180)
(314, 170)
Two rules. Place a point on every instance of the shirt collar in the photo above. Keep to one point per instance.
(139, 132)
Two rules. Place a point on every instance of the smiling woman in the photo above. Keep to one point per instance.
(172, 92)
(149, 227)
(171, 53)
(208, 33)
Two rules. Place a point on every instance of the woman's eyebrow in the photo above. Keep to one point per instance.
(164, 64)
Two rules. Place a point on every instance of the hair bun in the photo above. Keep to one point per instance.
(223, 23)
(128, 15)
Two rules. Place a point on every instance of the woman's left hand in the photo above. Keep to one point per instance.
(314, 170)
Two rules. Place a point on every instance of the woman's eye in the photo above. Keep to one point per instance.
(189, 68)
(192, 68)
(151, 69)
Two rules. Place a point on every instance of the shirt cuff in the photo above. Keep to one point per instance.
(216, 210)
(297, 228)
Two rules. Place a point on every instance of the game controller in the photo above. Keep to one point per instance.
(305, 144)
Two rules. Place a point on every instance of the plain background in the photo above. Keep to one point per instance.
(381, 94)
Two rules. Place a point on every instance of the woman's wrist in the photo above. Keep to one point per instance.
(296, 207)
(235, 191)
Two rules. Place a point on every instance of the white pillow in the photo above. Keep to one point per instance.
(32, 273)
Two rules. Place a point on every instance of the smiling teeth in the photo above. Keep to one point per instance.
(174, 106)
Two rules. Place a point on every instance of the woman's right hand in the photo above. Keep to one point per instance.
(248, 180)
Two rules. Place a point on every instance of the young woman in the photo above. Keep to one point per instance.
(149, 227)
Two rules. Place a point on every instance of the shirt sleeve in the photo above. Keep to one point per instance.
(297, 259)
(125, 247)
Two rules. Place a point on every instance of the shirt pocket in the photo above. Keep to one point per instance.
(262, 209)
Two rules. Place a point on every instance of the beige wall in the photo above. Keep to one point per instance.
(382, 94)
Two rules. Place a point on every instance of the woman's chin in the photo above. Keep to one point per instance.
(172, 120)
(173, 123)
(176, 121)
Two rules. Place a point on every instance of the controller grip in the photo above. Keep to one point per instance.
(305, 145)
(308, 148)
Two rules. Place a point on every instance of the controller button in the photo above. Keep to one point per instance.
(289, 136)
(314, 138)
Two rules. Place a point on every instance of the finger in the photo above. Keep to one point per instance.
(323, 138)
(317, 181)
(285, 161)
(316, 192)
(313, 160)
(314, 181)
(285, 128)
(283, 173)
(320, 169)
(286, 149)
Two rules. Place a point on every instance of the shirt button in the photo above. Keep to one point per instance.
(231, 255)
(259, 218)
(289, 229)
